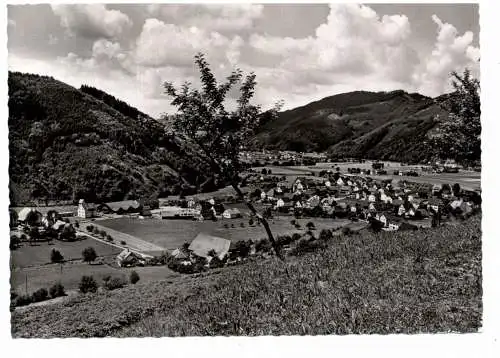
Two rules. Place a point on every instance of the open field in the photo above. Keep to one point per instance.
(427, 281)
(27, 256)
(71, 274)
(170, 234)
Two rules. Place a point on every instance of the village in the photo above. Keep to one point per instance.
(198, 232)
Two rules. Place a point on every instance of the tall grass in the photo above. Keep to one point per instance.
(408, 282)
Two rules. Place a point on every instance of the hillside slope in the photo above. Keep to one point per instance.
(66, 144)
(404, 282)
(384, 125)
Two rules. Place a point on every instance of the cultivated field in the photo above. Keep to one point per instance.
(171, 234)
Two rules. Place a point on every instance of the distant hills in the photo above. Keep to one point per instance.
(67, 143)
(378, 125)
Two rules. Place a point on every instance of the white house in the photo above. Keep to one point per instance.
(340, 182)
(328, 184)
(401, 210)
(85, 210)
(231, 213)
(263, 195)
(372, 198)
(280, 203)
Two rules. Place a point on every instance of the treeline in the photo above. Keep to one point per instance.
(122, 107)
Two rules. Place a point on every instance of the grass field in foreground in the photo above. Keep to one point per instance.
(170, 234)
(428, 281)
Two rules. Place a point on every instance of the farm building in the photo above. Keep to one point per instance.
(30, 216)
(85, 210)
(121, 207)
(231, 213)
(203, 244)
(128, 258)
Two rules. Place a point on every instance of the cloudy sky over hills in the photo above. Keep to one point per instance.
(300, 53)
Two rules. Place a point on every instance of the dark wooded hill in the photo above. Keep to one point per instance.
(67, 143)
(379, 125)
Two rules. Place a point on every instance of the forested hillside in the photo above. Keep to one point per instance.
(67, 144)
(382, 125)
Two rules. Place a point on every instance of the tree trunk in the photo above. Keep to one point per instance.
(261, 219)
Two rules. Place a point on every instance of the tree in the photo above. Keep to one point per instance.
(220, 134)
(87, 284)
(89, 255)
(134, 277)
(456, 189)
(56, 256)
(57, 290)
(14, 242)
(459, 135)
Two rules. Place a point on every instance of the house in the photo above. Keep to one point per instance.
(146, 211)
(328, 184)
(203, 244)
(340, 182)
(121, 207)
(231, 213)
(85, 210)
(180, 254)
(313, 201)
(263, 196)
(128, 258)
(297, 186)
(382, 218)
(280, 203)
(372, 198)
(30, 216)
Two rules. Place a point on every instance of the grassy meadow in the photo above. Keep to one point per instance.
(425, 281)
(171, 234)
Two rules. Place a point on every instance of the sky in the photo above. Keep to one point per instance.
(299, 52)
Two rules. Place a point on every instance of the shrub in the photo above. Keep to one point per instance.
(109, 238)
(226, 226)
(134, 277)
(242, 224)
(296, 236)
(347, 231)
(310, 225)
(77, 224)
(90, 228)
(14, 242)
(57, 290)
(40, 295)
(123, 242)
(263, 245)
(89, 254)
(250, 222)
(87, 284)
(22, 300)
(325, 235)
(56, 256)
(114, 283)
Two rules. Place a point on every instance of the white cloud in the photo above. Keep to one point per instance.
(92, 20)
(354, 43)
(227, 17)
(161, 44)
(451, 52)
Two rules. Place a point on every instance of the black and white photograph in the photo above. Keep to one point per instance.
(244, 169)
